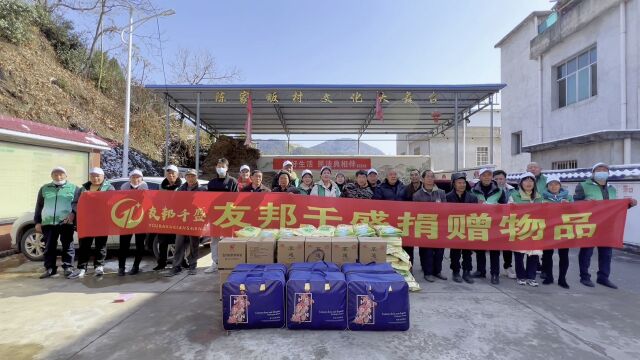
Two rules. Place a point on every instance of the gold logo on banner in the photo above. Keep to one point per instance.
(127, 213)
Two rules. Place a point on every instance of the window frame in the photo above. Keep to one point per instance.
(568, 76)
(485, 153)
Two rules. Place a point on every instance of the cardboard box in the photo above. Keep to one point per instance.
(291, 250)
(344, 250)
(231, 252)
(261, 251)
(372, 249)
(317, 248)
(224, 274)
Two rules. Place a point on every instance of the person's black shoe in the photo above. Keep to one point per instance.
(607, 283)
(121, 272)
(134, 270)
(159, 267)
(587, 282)
(48, 273)
(563, 283)
(547, 281)
(466, 276)
(495, 280)
(457, 278)
(193, 271)
(543, 275)
(185, 264)
(479, 275)
(440, 276)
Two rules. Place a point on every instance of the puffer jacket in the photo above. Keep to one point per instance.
(562, 196)
(355, 191)
(322, 190)
(386, 191)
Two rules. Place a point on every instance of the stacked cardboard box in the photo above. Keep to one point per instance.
(344, 250)
(372, 249)
(317, 249)
(231, 252)
(261, 250)
(291, 250)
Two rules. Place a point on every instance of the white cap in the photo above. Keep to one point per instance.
(58, 169)
(552, 177)
(372, 170)
(170, 167)
(598, 165)
(325, 168)
(484, 170)
(96, 170)
(287, 162)
(306, 172)
(527, 175)
(245, 167)
(135, 172)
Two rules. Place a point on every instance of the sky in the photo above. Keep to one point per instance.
(340, 41)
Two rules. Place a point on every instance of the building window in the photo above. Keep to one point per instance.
(516, 143)
(577, 78)
(416, 150)
(564, 165)
(482, 155)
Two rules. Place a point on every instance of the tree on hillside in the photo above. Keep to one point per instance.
(199, 68)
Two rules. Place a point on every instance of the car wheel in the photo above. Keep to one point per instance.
(171, 250)
(32, 245)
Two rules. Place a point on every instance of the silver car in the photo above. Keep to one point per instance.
(31, 244)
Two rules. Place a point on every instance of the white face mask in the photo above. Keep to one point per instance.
(601, 176)
(221, 171)
(61, 182)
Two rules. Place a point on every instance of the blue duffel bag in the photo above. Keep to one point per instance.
(261, 267)
(377, 302)
(370, 268)
(253, 300)
(317, 300)
(314, 266)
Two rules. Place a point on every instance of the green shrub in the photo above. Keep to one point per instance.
(60, 33)
(15, 20)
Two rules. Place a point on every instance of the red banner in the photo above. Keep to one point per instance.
(318, 163)
(440, 225)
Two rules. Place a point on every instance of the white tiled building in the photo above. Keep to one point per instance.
(573, 81)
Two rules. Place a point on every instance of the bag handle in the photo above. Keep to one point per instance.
(243, 286)
(372, 297)
(307, 284)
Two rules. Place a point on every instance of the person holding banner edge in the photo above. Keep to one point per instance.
(171, 182)
(135, 183)
(555, 193)
(597, 188)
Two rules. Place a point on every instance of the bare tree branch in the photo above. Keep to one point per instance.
(198, 68)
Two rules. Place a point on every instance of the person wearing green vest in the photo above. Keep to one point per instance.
(171, 182)
(527, 194)
(307, 184)
(488, 192)
(541, 179)
(500, 177)
(597, 188)
(54, 219)
(555, 193)
(96, 183)
(326, 187)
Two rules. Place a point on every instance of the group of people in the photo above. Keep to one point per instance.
(56, 212)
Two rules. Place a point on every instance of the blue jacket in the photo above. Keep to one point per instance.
(385, 191)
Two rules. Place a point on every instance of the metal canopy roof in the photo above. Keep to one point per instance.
(327, 109)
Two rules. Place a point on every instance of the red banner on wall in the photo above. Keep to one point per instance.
(318, 163)
(440, 225)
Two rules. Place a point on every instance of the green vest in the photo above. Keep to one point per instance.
(517, 198)
(493, 199)
(592, 190)
(541, 184)
(57, 202)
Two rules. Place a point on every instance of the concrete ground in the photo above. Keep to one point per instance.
(180, 317)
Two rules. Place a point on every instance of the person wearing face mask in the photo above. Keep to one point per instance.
(326, 187)
(135, 183)
(221, 183)
(54, 219)
(244, 178)
(96, 183)
(500, 177)
(307, 184)
(597, 188)
(171, 182)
